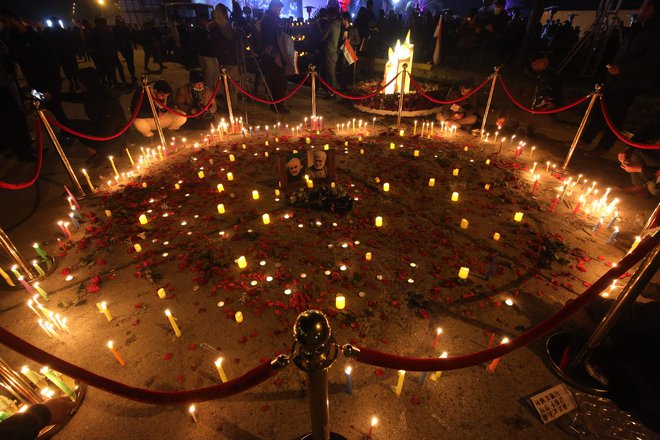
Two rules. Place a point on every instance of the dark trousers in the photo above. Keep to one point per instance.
(346, 72)
(15, 133)
(127, 53)
(329, 70)
(275, 77)
(618, 102)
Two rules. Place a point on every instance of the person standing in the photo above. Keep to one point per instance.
(224, 45)
(633, 70)
(65, 46)
(151, 45)
(125, 45)
(330, 55)
(201, 44)
(350, 34)
(273, 58)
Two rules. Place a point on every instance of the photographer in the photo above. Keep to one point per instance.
(191, 98)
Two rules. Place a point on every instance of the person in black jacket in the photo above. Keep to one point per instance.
(273, 59)
(125, 45)
(224, 45)
(26, 425)
(162, 93)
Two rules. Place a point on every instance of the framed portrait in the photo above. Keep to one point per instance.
(317, 164)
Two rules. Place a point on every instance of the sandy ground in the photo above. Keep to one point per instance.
(410, 286)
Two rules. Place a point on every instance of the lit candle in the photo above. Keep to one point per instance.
(493, 365)
(399, 384)
(487, 187)
(496, 236)
(415, 128)
(220, 187)
(143, 219)
(161, 293)
(518, 216)
(221, 208)
(231, 158)
(24, 283)
(379, 221)
(464, 223)
(103, 308)
(596, 228)
(50, 374)
(386, 187)
(191, 410)
(638, 239)
(266, 219)
(7, 278)
(340, 301)
(221, 371)
(310, 184)
(454, 197)
(436, 375)
(89, 181)
(554, 203)
(401, 132)
(130, 158)
(242, 262)
(116, 353)
(175, 327)
(230, 176)
(431, 182)
(455, 172)
(14, 270)
(238, 316)
(349, 384)
(255, 195)
(112, 162)
(438, 332)
(41, 291)
(463, 272)
(33, 377)
(367, 256)
(536, 183)
(137, 247)
(38, 268)
(201, 174)
(614, 234)
(374, 422)
(611, 223)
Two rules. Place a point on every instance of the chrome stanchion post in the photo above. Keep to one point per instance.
(652, 221)
(316, 352)
(312, 72)
(11, 250)
(17, 385)
(231, 112)
(58, 147)
(147, 91)
(496, 72)
(401, 95)
(583, 123)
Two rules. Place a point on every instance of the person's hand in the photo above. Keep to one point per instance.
(500, 122)
(59, 409)
(628, 168)
(622, 157)
(613, 70)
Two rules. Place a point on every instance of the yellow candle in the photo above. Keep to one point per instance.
(496, 236)
(463, 272)
(367, 256)
(487, 161)
(431, 182)
(221, 371)
(340, 301)
(177, 186)
(230, 176)
(255, 195)
(172, 319)
(379, 221)
(238, 316)
(518, 216)
(487, 187)
(128, 153)
(361, 150)
(38, 268)
(416, 153)
(266, 219)
(454, 197)
(143, 219)
(89, 181)
(401, 132)
(308, 140)
(399, 384)
(436, 375)
(32, 376)
(116, 353)
(161, 293)
(638, 239)
(310, 184)
(105, 311)
(137, 247)
(108, 213)
(113, 165)
(242, 262)
(455, 172)
(386, 187)
(221, 187)
(392, 146)
(221, 208)
(327, 147)
(231, 158)
(464, 223)
(6, 277)
(277, 193)
(201, 174)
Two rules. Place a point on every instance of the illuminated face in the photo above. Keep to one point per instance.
(319, 160)
(465, 90)
(199, 86)
(294, 166)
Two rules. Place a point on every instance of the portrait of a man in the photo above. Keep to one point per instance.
(294, 169)
(316, 168)
(318, 165)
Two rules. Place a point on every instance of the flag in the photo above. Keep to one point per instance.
(348, 52)
(437, 34)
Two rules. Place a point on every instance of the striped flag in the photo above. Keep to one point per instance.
(348, 52)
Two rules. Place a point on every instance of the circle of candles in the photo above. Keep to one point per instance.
(238, 316)
(230, 176)
(266, 219)
(255, 195)
(518, 216)
(454, 196)
(386, 187)
(431, 182)
(143, 219)
(464, 223)
(340, 301)
(242, 262)
(221, 208)
(496, 236)
(463, 272)
(220, 187)
(379, 221)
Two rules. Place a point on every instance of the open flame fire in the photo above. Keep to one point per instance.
(397, 57)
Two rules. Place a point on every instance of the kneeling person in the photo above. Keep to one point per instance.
(144, 123)
(191, 98)
(464, 113)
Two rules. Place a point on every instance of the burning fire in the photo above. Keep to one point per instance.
(402, 54)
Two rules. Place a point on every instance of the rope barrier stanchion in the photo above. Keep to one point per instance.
(58, 147)
(317, 351)
(8, 246)
(401, 96)
(312, 73)
(242, 383)
(150, 97)
(386, 360)
(619, 135)
(541, 112)
(231, 111)
(575, 372)
(37, 171)
(583, 124)
(496, 72)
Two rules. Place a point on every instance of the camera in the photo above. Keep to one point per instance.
(38, 95)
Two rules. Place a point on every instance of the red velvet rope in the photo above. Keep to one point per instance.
(386, 360)
(194, 115)
(618, 134)
(540, 112)
(265, 101)
(37, 171)
(358, 98)
(242, 383)
(453, 101)
(101, 138)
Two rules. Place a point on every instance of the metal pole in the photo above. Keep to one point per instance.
(58, 147)
(490, 99)
(231, 112)
(646, 270)
(19, 387)
(312, 72)
(652, 222)
(401, 95)
(595, 95)
(9, 247)
(147, 91)
(317, 351)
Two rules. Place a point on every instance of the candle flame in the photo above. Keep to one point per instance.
(167, 312)
(374, 421)
(505, 340)
(438, 330)
(111, 345)
(191, 408)
(218, 362)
